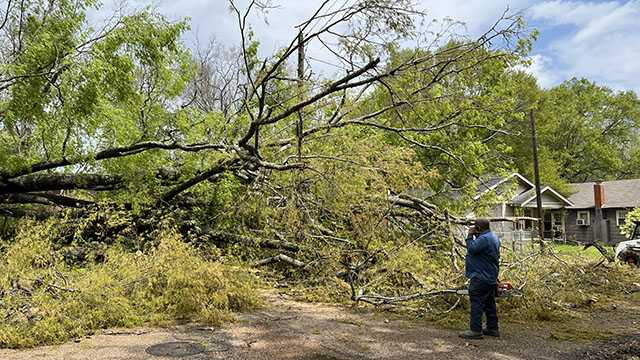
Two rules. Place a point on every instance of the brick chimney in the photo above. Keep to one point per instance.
(598, 194)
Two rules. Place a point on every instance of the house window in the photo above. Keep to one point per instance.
(524, 225)
(621, 215)
(583, 218)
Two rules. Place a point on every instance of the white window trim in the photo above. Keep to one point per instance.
(618, 218)
(588, 217)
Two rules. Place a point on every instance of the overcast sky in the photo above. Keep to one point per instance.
(599, 40)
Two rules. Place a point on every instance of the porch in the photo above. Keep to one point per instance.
(519, 235)
(519, 200)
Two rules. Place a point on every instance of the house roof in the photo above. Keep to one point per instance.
(523, 198)
(493, 183)
(519, 199)
(530, 195)
(617, 194)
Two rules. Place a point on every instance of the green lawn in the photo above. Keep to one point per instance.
(567, 249)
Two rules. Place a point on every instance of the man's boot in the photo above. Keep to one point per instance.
(489, 332)
(471, 335)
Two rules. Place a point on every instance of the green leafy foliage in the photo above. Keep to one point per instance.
(45, 301)
(557, 287)
(633, 218)
(586, 132)
(72, 91)
(463, 116)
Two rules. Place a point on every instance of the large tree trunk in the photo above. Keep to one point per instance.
(52, 182)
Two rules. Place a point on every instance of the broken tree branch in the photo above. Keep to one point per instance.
(227, 237)
(280, 258)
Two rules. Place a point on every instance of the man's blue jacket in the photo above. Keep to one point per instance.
(483, 257)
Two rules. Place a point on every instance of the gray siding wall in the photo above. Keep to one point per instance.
(579, 232)
(586, 233)
(521, 188)
(615, 236)
(512, 188)
(549, 200)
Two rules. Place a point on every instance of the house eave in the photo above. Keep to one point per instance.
(493, 187)
(604, 207)
(555, 193)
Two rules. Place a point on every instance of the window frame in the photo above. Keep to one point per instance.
(588, 218)
(618, 218)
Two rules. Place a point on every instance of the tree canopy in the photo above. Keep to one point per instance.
(124, 109)
(127, 113)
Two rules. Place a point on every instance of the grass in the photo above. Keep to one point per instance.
(573, 250)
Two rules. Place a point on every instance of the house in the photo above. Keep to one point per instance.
(519, 200)
(600, 208)
(592, 211)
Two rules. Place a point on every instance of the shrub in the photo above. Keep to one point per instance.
(630, 222)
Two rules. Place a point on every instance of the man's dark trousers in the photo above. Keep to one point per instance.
(482, 296)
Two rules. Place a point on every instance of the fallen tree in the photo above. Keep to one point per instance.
(122, 145)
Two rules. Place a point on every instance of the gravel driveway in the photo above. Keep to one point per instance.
(294, 330)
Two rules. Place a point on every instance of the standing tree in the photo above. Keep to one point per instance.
(586, 132)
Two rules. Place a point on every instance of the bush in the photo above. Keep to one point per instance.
(44, 301)
(630, 222)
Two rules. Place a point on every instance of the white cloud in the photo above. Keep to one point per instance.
(602, 44)
(570, 12)
(274, 29)
(478, 15)
(594, 39)
(540, 68)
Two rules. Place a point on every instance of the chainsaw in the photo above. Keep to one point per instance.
(503, 289)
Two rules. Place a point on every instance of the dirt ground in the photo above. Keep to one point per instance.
(288, 329)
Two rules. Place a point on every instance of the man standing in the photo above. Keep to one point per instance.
(482, 266)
